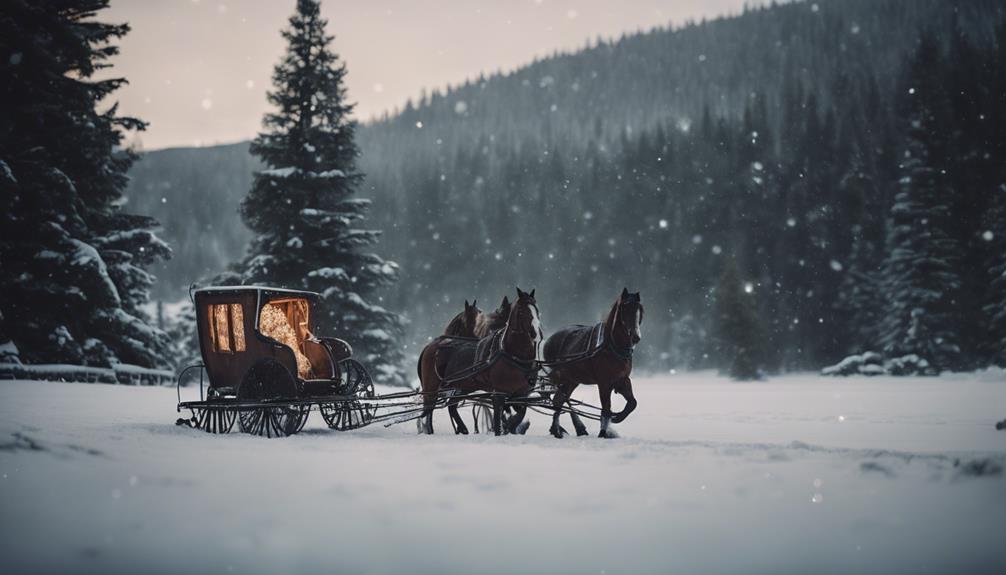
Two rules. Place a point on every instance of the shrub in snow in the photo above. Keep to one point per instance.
(910, 364)
(8, 353)
(868, 363)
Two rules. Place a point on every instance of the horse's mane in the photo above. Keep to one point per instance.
(457, 325)
(609, 318)
(488, 323)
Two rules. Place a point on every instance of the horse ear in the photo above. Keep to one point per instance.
(506, 302)
(520, 294)
(466, 305)
(532, 293)
(474, 302)
(625, 293)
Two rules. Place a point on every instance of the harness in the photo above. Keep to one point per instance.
(485, 353)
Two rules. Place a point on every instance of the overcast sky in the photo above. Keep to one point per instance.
(199, 69)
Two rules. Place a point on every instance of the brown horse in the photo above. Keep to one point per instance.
(484, 325)
(468, 324)
(598, 355)
(501, 363)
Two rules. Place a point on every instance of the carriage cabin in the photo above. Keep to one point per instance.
(241, 327)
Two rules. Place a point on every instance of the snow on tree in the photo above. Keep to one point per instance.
(921, 278)
(302, 207)
(737, 326)
(74, 274)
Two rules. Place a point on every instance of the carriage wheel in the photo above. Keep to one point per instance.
(354, 413)
(483, 416)
(215, 419)
(268, 380)
(274, 421)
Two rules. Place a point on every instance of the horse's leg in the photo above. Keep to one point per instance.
(578, 424)
(604, 390)
(515, 423)
(499, 404)
(429, 383)
(560, 397)
(625, 390)
(459, 424)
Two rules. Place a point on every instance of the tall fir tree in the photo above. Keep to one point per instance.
(302, 208)
(737, 328)
(74, 281)
(921, 270)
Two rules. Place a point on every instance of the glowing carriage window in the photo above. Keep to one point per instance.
(238, 326)
(227, 327)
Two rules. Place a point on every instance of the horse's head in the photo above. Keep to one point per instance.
(471, 316)
(497, 319)
(629, 315)
(525, 321)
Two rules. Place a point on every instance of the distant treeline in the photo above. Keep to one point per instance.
(776, 138)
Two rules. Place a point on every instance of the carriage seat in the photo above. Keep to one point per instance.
(324, 353)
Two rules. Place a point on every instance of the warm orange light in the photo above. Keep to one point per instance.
(274, 323)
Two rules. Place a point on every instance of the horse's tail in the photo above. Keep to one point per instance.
(419, 366)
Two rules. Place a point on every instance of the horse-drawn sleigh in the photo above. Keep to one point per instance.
(267, 370)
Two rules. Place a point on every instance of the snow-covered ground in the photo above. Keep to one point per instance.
(800, 474)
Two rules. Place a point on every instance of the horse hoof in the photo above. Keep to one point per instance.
(461, 430)
(558, 432)
(608, 434)
(582, 431)
(522, 427)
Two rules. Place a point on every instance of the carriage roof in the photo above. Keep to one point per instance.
(266, 291)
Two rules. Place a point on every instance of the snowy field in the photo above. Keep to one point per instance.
(799, 474)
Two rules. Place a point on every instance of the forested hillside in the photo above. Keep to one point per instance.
(788, 139)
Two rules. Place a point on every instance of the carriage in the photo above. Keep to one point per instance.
(267, 369)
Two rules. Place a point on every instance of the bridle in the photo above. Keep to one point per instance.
(532, 333)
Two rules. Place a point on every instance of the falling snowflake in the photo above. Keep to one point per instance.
(663, 225)
(987, 235)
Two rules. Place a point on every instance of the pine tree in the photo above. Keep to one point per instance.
(302, 208)
(74, 279)
(920, 273)
(737, 326)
